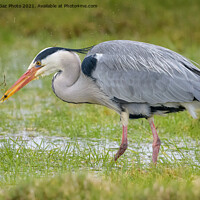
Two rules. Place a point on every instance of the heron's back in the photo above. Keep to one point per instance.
(136, 73)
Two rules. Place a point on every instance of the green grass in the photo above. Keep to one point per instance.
(153, 184)
(81, 165)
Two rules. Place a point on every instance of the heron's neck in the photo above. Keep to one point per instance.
(70, 70)
(70, 84)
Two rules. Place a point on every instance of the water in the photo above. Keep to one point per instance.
(178, 149)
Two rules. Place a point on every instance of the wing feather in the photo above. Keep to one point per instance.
(144, 73)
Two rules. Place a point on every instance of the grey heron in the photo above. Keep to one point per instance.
(135, 79)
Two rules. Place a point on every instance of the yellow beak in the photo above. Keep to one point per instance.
(21, 82)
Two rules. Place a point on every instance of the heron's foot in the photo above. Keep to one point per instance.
(156, 147)
(121, 150)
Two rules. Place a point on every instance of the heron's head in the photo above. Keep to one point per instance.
(46, 62)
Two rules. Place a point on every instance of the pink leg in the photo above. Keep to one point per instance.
(156, 141)
(123, 145)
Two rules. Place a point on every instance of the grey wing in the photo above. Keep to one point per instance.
(143, 73)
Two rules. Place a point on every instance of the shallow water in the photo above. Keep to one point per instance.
(186, 150)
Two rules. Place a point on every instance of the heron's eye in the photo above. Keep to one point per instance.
(38, 63)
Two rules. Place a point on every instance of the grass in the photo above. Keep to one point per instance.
(165, 184)
(50, 149)
(20, 162)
